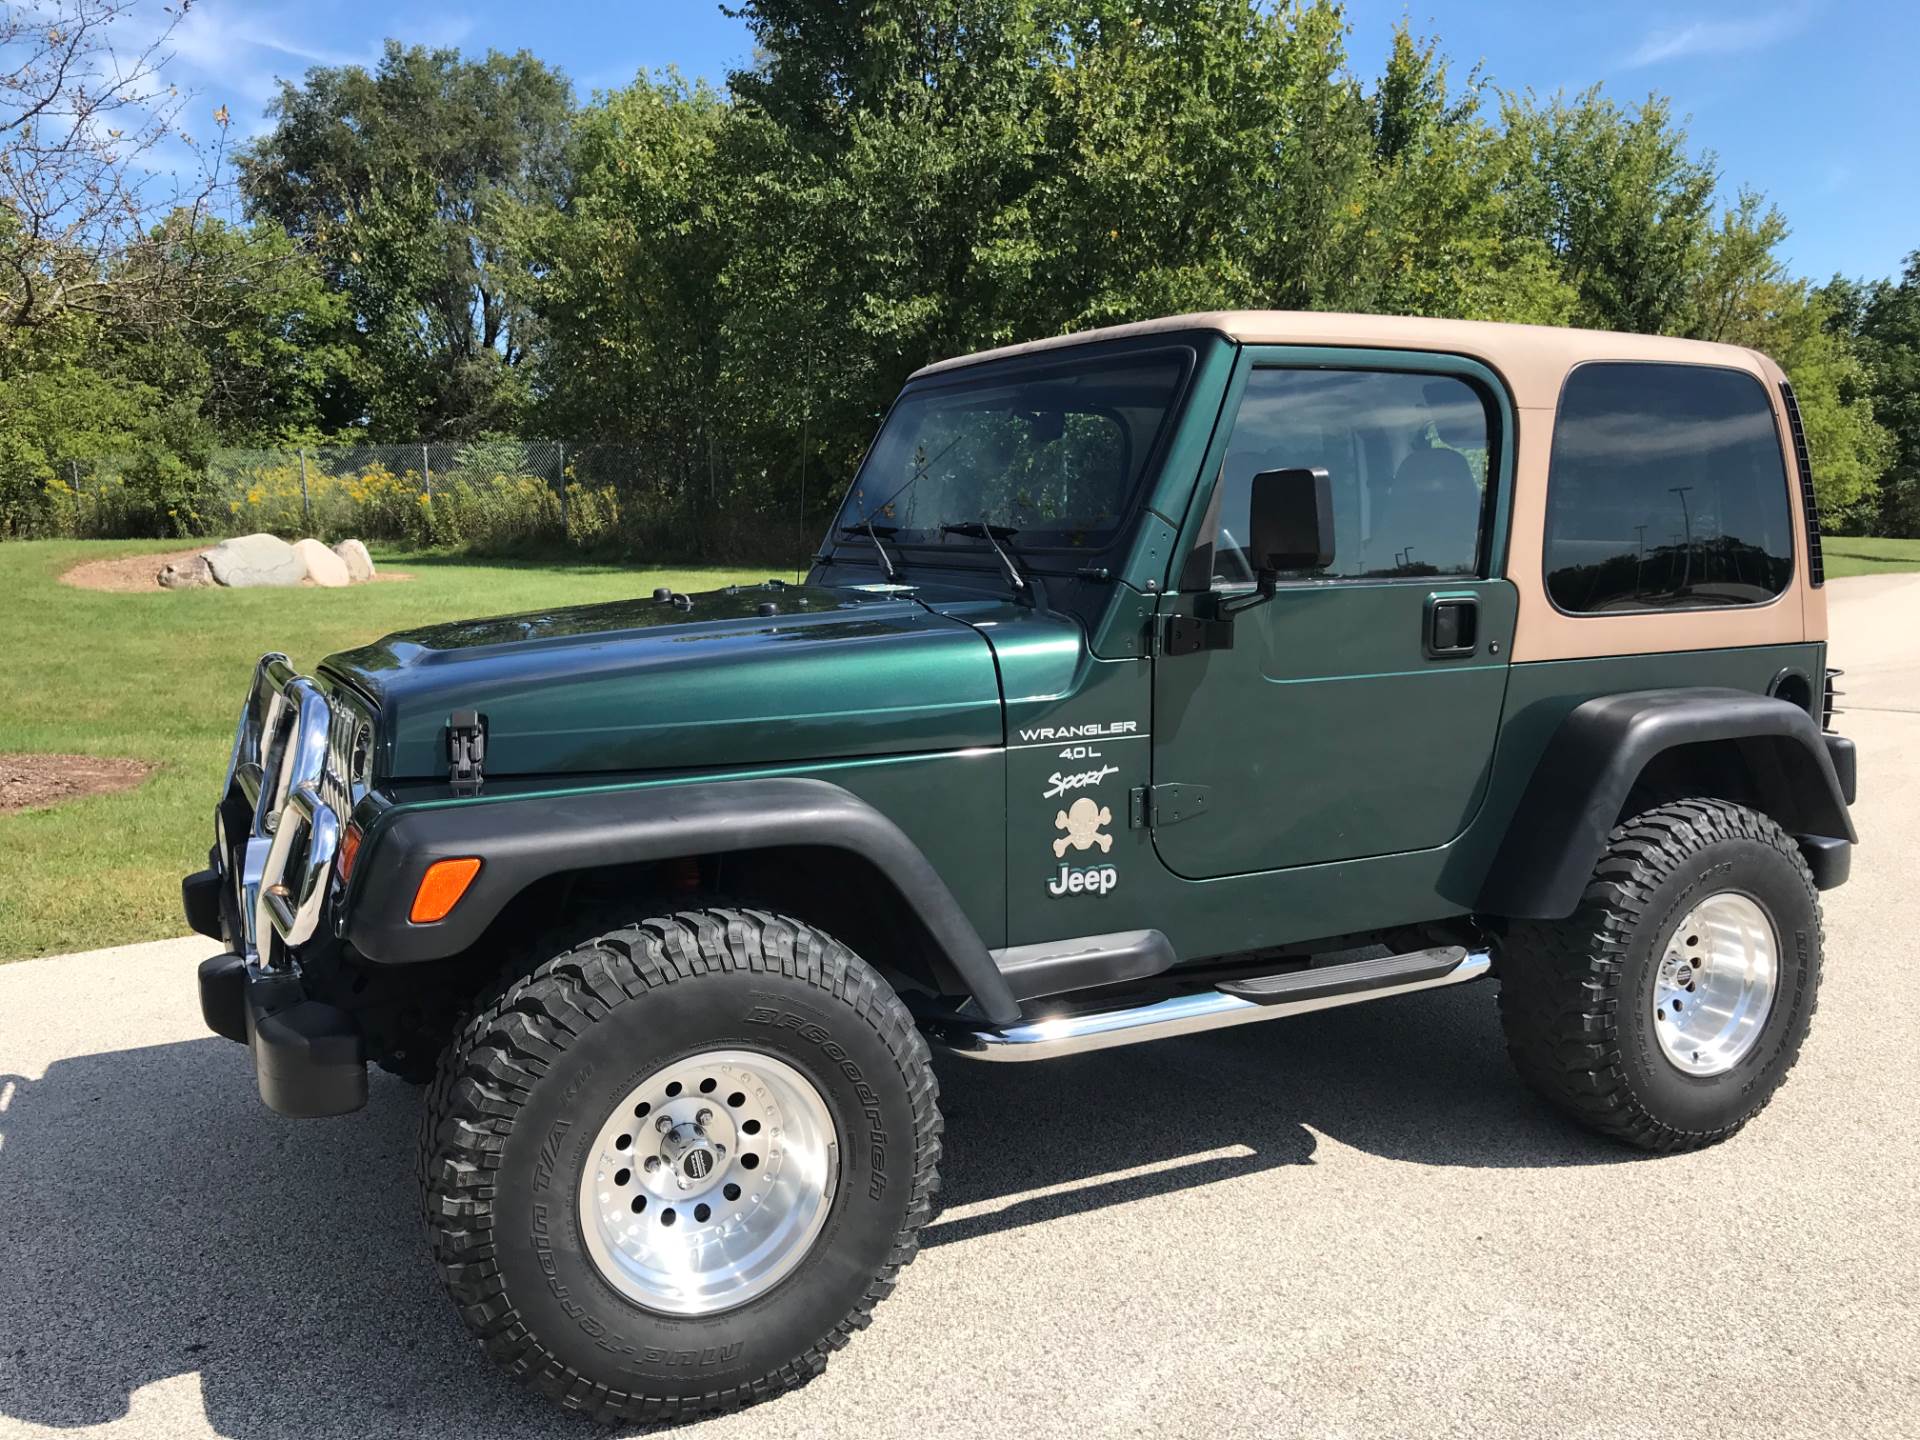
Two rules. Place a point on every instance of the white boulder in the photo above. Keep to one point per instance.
(355, 557)
(323, 567)
(250, 562)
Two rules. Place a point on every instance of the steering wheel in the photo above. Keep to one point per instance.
(1229, 558)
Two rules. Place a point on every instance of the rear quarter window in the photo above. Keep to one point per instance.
(1666, 490)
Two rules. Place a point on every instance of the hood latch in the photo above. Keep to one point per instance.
(466, 751)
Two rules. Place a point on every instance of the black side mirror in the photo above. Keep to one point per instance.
(1290, 527)
(1290, 522)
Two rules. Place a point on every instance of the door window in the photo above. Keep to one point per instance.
(1667, 490)
(1406, 457)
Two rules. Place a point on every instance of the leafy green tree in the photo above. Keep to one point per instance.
(734, 284)
(1743, 295)
(1624, 206)
(1445, 233)
(399, 180)
(1885, 319)
(630, 289)
(267, 360)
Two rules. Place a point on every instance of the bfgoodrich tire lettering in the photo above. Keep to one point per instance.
(1575, 994)
(522, 1091)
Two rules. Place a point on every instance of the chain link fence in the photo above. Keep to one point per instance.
(489, 496)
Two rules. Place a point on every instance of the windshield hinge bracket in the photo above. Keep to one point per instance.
(1151, 807)
(1190, 634)
(466, 751)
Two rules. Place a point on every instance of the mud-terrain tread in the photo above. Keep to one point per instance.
(1560, 980)
(509, 1043)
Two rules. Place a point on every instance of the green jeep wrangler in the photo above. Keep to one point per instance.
(1167, 677)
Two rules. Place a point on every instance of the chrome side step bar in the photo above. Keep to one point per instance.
(1049, 1038)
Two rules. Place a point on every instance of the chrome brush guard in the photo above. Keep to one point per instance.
(286, 763)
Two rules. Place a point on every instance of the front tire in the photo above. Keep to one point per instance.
(776, 1211)
(1668, 1009)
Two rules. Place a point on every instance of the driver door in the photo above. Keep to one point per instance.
(1353, 714)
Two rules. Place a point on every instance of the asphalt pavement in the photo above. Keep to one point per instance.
(1349, 1224)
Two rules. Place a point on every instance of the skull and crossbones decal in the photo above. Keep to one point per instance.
(1082, 821)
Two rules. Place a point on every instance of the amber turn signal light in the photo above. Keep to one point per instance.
(441, 888)
(349, 852)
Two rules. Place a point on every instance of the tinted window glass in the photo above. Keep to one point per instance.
(1053, 456)
(1405, 456)
(1667, 490)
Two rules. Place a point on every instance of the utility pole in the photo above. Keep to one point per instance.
(306, 501)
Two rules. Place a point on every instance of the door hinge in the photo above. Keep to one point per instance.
(1152, 806)
(1190, 634)
(466, 751)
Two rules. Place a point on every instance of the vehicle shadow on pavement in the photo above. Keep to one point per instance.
(159, 1221)
(1423, 1078)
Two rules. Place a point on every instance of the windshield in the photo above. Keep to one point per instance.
(1053, 457)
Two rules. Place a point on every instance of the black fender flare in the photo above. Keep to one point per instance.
(1590, 766)
(521, 840)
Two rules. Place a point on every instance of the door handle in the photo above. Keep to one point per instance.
(1452, 626)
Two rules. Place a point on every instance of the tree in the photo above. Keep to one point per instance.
(1885, 318)
(1445, 234)
(1743, 295)
(267, 362)
(628, 284)
(399, 182)
(1624, 207)
(83, 109)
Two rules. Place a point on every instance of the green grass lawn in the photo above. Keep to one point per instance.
(1845, 555)
(160, 677)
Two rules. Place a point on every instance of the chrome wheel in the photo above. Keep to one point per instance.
(1714, 985)
(709, 1182)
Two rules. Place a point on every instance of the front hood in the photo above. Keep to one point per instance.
(648, 685)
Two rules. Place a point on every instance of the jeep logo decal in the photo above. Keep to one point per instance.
(1085, 880)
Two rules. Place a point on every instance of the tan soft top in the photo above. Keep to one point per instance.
(1533, 359)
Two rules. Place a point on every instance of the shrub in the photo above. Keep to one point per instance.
(491, 499)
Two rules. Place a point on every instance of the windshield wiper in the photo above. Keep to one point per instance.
(993, 535)
(872, 532)
(864, 525)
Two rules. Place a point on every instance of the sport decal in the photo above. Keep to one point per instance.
(1058, 784)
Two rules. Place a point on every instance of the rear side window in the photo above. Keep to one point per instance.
(1667, 490)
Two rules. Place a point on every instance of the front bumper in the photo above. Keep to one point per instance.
(309, 1058)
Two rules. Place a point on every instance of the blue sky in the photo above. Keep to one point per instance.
(1813, 103)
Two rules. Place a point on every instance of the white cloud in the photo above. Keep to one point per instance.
(1715, 37)
(236, 55)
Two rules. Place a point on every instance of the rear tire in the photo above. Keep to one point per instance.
(1594, 1006)
(528, 1107)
